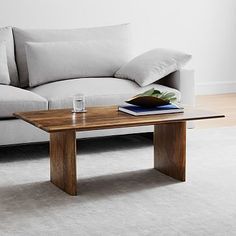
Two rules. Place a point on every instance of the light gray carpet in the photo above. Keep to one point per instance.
(120, 193)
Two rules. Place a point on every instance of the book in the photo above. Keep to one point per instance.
(141, 111)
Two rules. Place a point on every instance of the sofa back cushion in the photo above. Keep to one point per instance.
(4, 74)
(6, 37)
(119, 34)
(48, 62)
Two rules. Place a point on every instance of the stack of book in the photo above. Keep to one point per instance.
(151, 102)
(140, 111)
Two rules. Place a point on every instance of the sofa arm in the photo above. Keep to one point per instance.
(182, 80)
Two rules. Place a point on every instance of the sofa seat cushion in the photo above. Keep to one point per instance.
(97, 91)
(14, 99)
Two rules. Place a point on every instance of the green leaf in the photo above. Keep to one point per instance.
(166, 96)
(148, 92)
(156, 93)
(173, 99)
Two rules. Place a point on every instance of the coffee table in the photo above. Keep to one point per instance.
(62, 125)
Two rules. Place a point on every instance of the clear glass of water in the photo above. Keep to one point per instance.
(79, 103)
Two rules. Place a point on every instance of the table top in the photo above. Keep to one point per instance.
(105, 118)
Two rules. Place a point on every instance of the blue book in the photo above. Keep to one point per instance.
(141, 111)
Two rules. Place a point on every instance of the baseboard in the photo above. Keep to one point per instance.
(216, 88)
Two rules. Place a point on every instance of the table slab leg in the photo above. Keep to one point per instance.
(170, 149)
(63, 161)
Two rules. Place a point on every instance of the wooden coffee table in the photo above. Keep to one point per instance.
(62, 124)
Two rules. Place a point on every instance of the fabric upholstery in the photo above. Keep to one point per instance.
(54, 61)
(97, 91)
(4, 74)
(7, 37)
(153, 65)
(117, 33)
(27, 133)
(14, 99)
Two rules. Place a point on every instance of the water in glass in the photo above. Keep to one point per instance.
(79, 103)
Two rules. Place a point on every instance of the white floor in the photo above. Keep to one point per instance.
(120, 193)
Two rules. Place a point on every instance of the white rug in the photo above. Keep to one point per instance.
(120, 193)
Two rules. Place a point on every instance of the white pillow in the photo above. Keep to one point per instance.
(4, 73)
(54, 61)
(153, 65)
(6, 36)
(117, 33)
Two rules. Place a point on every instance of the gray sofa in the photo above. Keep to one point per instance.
(99, 90)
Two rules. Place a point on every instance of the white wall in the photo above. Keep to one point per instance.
(204, 28)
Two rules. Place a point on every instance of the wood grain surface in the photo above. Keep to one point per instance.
(62, 124)
(220, 103)
(104, 118)
(170, 149)
(63, 161)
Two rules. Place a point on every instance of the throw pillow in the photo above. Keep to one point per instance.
(6, 36)
(117, 33)
(52, 61)
(152, 66)
(4, 73)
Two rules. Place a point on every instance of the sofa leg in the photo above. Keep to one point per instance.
(191, 124)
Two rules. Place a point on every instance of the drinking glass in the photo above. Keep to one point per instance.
(79, 103)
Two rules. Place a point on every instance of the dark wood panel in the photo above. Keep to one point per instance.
(63, 161)
(170, 149)
(105, 118)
